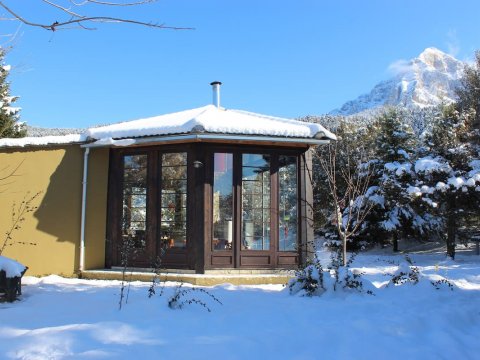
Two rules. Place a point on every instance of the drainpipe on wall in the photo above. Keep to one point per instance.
(84, 208)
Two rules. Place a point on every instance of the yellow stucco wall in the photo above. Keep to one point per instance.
(95, 229)
(55, 172)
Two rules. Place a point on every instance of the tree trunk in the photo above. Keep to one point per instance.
(395, 242)
(451, 230)
(344, 238)
(451, 227)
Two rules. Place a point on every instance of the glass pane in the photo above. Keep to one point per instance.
(173, 214)
(222, 201)
(255, 202)
(134, 209)
(288, 200)
(174, 159)
(178, 186)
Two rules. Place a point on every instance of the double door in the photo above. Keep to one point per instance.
(254, 210)
(148, 209)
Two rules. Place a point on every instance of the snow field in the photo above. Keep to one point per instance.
(60, 318)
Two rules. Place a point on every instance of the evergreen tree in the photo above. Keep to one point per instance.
(393, 216)
(450, 174)
(9, 115)
(468, 92)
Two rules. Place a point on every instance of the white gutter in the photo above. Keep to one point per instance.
(84, 208)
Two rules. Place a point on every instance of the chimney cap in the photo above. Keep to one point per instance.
(215, 83)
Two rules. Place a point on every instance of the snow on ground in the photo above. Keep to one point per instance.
(60, 318)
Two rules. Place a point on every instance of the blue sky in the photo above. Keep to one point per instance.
(284, 58)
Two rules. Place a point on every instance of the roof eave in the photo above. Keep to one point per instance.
(199, 137)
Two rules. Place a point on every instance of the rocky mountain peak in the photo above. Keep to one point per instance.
(426, 80)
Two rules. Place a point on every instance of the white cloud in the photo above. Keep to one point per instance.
(453, 45)
(400, 66)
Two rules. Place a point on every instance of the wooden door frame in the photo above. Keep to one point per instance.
(175, 258)
(276, 258)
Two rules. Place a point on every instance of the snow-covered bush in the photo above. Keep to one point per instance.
(309, 280)
(407, 273)
(314, 280)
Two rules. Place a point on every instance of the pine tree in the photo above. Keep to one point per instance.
(468, 92)
(393, 216)
(9, 115)
(451, 179)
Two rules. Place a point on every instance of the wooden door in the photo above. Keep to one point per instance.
(133, 243)
(148, 208)
(256, 211)
(253, 209)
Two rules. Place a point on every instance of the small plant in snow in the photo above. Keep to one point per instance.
(439, 284)
(407, 272)
(314, 280)
(128, 250)
(309, 280)
(345, 277)
(182, 297)
(157, 269)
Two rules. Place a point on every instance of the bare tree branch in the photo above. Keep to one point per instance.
(351, 205)
(68, 11)
(112, 3)
(79, 19)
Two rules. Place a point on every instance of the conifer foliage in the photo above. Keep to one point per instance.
(10, 127)
(426, 183)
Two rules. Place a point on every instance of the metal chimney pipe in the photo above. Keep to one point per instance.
(216, 93)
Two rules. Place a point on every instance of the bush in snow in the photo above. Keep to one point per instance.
(439, 284)
(183, 297)
(313, 280)
(309, 280)
(407, 273)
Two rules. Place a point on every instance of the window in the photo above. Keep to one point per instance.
(255, 202)
(134, 202)
(173, 216)
(287, 203)
(222, 201)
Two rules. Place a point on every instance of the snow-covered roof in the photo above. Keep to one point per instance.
(42, 140)
(211, 119)
(204, 120)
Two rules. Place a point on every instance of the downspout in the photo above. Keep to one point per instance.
(84, 208)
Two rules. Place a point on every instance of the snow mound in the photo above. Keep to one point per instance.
(11, 267)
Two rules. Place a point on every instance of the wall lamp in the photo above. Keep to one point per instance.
(197, 164)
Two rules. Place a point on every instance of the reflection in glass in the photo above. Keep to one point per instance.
(255, 202)
(288, 213)
(174, 200)
(223, 201)
(134, 202)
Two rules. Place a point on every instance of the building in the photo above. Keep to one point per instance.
(203, 189)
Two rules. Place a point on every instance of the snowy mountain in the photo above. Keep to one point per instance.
(426, 80)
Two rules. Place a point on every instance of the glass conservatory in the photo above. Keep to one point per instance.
(192, 192)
